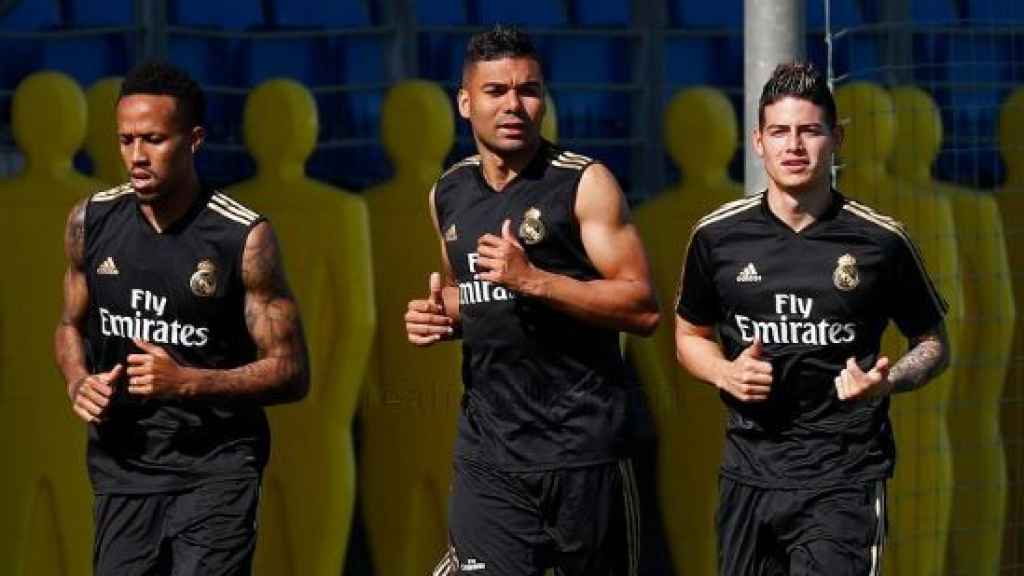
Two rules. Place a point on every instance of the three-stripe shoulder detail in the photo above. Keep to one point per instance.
(722, 212)
(728, 209)
(112, 193)
(894, 226)
(470, 161)
(232, 209)
(566, 159)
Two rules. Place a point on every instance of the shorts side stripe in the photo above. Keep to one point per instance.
(446, 566)
(632, 516)
(877, 548)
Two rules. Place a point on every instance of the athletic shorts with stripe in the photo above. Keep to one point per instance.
(578, 521)
(836, 531)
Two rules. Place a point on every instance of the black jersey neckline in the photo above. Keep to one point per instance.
(533, 168)
(830, 213)
(198, 203)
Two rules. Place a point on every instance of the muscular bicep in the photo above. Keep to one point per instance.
(610, 239)
(447, 274)
(76, 289)
(271, 314)
(450, 295)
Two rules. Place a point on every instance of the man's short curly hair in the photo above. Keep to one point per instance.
(161, 78)
(798, 80)
(497, 43)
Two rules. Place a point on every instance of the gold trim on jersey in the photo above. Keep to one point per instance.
(232, 210)
(473, 160)
(234, 206)
(112, 193)
(566, 159)
(897, 228)
(726, 210)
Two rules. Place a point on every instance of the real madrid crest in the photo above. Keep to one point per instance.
(204, 279)
(845, 276)
(532, 229)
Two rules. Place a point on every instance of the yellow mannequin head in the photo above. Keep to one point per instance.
(49, 118)
(281, 126)
(919, 132)
(1011, 134)
(701, 132)
(867, 110)
(101, 130)
(417, 125)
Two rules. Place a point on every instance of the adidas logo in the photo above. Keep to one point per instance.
(450, 235)
(108, 267)
(748, 274)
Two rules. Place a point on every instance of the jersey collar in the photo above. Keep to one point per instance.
(198, 203)
(529, 171)
(836, 204)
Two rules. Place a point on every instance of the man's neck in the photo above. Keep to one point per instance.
(501, 168)
(798, 209)
(165, 211)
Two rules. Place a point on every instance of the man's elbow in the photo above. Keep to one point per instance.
(944, 353)
(647, 322)
(944, 359)
(296, 386)
(300, 388)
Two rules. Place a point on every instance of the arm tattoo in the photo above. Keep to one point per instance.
(281, 373)
(74, 235)
(69, 342)
(927, 358)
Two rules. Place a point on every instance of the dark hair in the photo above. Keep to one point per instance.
(798, 80)
(161, 78)
(497, 43)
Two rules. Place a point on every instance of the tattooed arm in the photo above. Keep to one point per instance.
(281, 374)
(69, 344)
(927, 357)
(89, 393)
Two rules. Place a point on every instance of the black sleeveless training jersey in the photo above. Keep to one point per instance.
(814, 299)
(182, 290)
(542, 389)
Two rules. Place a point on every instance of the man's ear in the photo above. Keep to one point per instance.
(462, 100)
(755, 138)
(196, 138)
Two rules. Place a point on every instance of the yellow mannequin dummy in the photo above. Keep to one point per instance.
(408, 419)
(549, 124)
(45, 496)
(1011, 203)
(309, 486)
(101, 131)
(979, 464)
(689, 414)
(920, 494)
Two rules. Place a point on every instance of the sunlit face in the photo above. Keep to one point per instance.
(504, 102)
(796, 144)
(155, 148)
